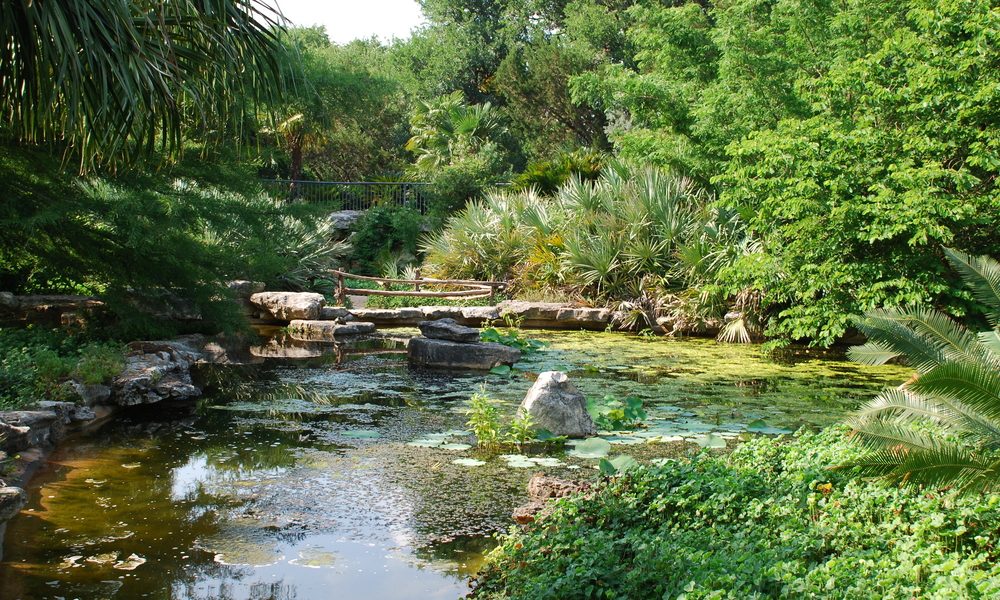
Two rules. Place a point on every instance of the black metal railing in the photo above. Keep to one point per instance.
(352, 195)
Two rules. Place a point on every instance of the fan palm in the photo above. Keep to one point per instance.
(942, 427)
(104, 76)
(446, 128)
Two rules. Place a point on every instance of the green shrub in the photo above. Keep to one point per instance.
(36, 364)
(769, 520)
(381, 233)
(633, 227)
(547, 176)
(151, 244)
(612, 414)
(484, 420)
(98, 363)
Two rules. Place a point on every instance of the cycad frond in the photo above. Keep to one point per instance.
(950, 339)
(990, 341)
(982, 275)
(901, 407)
(943, 464)
(974, 385)
(888, 328)
(873, 353)
(956, 395)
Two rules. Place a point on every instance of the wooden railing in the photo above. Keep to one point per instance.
(472, 288)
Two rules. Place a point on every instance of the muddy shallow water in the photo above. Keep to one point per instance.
(334, 474)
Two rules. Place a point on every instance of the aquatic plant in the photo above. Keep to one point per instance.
(484, 419)
(612, 414)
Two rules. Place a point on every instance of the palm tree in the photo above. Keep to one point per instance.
(102, 78)
(446, 129)
(942, 427)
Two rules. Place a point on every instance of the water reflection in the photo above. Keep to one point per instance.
(301, 481)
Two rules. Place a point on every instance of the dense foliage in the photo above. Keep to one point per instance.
(643, 235)
(769, 520)
(37, 364)
(153, 244)
(942, 427)
(104, 79)
(853, 138)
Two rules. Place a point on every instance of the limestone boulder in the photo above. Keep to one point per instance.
(448, 329)
(327, 330)
(441, 312)
(244, 289)
(336, 313)
(541, 489)
(14, 437)
(287, 306)
(68, 412)
(554, 315)
(344, 220)
(12, 500)
(90, 394)
(32, 428)
(480, 314)
(555, 404)
(389, 317)
(156, 371)
(445, 354)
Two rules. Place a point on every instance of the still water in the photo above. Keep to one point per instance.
(333, 474)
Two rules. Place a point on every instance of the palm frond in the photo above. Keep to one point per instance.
(974, 385)
(888, 328)
(982, 275)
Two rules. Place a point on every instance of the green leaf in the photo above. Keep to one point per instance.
(591, 448)
(711, 440)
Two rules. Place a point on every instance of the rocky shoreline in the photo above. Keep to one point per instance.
(154, 372)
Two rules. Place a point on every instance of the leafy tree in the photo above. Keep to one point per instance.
(534, 84)
(942, 427)
(101, 78)
(446, 129)
(901, 157)
(344, 114)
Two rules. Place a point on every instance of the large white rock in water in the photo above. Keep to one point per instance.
(286, 306)
(555, 404)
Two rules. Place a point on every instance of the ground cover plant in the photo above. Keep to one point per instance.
(768, 520)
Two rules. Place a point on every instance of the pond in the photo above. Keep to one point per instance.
(344, 473)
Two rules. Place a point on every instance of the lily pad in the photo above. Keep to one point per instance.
(314, 558)
(711, 440)
(618, 465)
(518, 461)
(425, 443)
(469, 462)
(455, 446)
(591, 448)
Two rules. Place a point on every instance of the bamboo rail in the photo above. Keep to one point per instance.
(475, 289)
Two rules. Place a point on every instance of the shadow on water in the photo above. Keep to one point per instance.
(329, 469)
